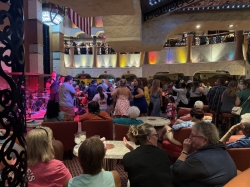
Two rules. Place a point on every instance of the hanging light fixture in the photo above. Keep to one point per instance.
(52, 14)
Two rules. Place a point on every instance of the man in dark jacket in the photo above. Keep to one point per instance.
(92, 90)
(210, 165)
(53, 84)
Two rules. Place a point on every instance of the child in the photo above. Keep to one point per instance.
(171, 108)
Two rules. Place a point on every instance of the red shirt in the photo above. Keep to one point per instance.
(90, 116)
(49, 174)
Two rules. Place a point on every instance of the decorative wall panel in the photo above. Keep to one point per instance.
(12, 102)
(223, 52)
(95, 72)
(129, 60)
(201, 53)
(83, 60)
(106, 60)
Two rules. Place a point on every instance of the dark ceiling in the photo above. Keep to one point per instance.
(146, 7)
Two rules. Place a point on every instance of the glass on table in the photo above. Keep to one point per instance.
(78, 138)
(83, 136)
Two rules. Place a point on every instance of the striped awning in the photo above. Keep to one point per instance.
(82, 23)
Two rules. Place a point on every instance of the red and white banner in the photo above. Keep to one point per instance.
(80, 22)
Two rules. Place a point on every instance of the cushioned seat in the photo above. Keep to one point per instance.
(121, 131)
(64, 132)
(179, 135)
(104, 128)
(240, 157)
(241, 180)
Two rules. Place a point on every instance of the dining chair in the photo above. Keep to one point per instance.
(104, 128)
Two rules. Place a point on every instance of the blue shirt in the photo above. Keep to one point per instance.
(241, 143)
(185, 124)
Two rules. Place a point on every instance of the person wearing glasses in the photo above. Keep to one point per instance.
(147, 165)
(209, 165)
(43, 169)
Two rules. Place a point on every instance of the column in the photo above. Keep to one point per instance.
(239, 41)
(57, 48)
(33, 29)
(142, 56)
(71, 56)
(245, 43)
(189, 48)
(94, 52)
(117, 60)
(146, 58)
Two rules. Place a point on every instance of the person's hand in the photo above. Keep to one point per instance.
(125, 141)
(187, 145)
(237, 127)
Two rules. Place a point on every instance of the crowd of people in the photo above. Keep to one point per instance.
(203, 160)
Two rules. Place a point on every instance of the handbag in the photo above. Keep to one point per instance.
(236, 110)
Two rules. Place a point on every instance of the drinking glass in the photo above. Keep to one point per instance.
(78, 138)
(83, 136)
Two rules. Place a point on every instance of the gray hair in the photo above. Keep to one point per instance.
(245, 118)
(133, 112)
(208, 130)
(199, 104)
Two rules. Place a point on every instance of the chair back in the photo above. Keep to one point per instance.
(182, 134)
(241, 180)
(104, 128)
(121, 131)
(205, 108)
(240, 157)
(64, 132)
(183, 112)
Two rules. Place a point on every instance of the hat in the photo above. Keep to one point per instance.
(189, 81)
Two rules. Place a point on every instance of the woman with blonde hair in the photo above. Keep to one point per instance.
(154, 161)
(91, 154)
(122, 95)
(228, 97)
(155, 98)
(43, 169)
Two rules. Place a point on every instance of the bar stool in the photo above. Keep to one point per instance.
(229, 118)
(215, 117)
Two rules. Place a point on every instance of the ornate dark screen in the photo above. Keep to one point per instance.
(13, 163)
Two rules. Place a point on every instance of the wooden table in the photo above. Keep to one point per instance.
(115, 150)
(155, 121)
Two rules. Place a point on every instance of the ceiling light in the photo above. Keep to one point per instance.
(52, 14)
(230, 25)
(198, 26)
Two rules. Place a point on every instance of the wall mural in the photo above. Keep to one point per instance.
(12, 103)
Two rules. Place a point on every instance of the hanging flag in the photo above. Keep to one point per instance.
(82, 23)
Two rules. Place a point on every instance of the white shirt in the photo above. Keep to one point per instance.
(198, 92)
(102, 102)
(181, 96)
